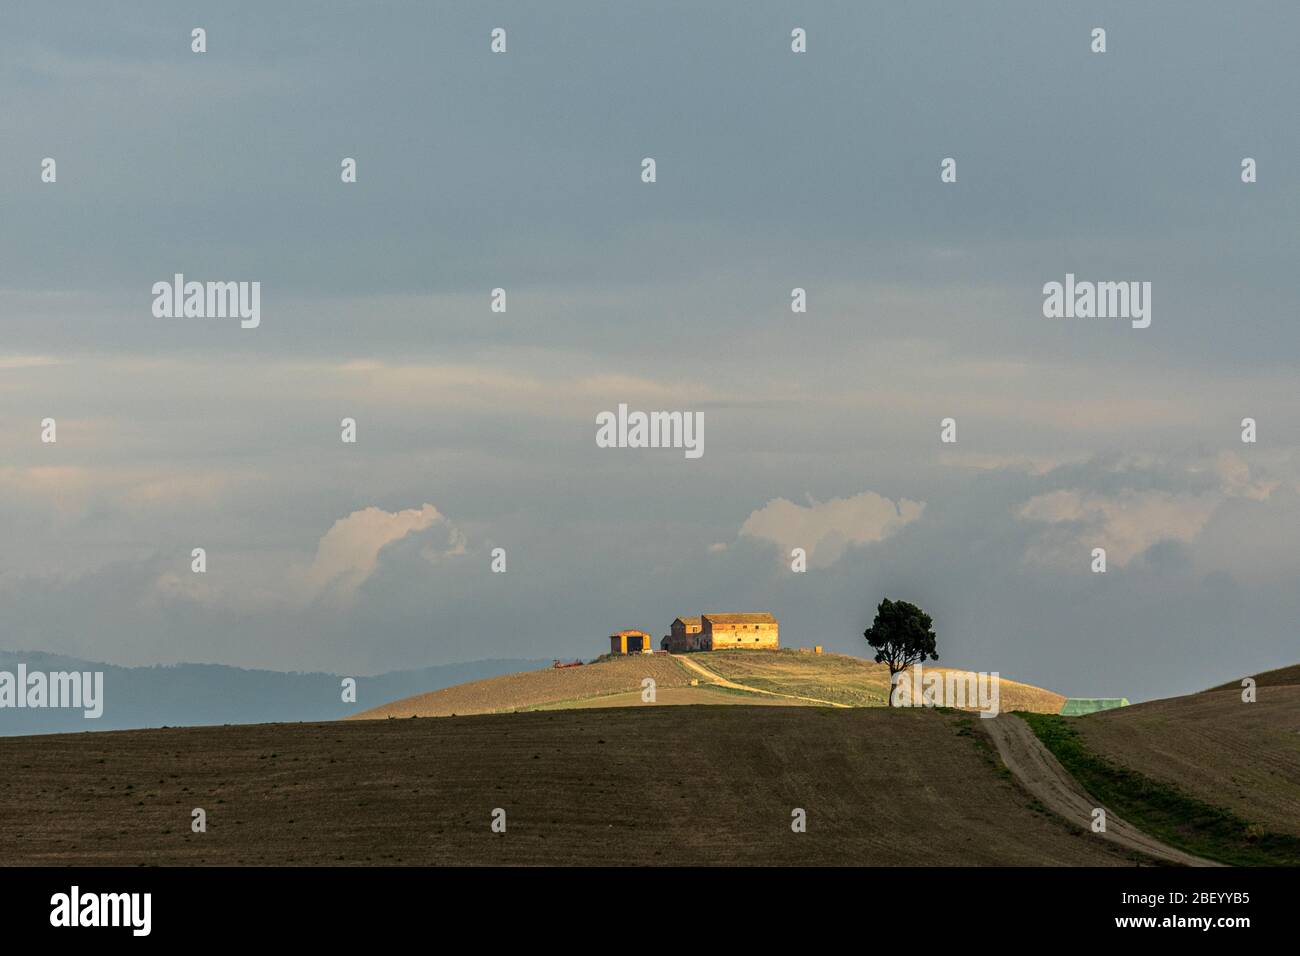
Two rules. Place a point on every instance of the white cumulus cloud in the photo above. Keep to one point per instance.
(349, 552)
(825, 528)
(1125, 524)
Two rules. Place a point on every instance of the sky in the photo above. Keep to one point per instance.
(476, 429)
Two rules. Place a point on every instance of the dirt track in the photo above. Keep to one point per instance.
(721, 681)
(1043, 776)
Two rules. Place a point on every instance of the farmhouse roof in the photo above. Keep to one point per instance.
(688, 621)
(762, 617)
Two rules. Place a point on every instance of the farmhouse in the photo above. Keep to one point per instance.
(756, 631)
(684, 635)
(707, 632)
(630, 642)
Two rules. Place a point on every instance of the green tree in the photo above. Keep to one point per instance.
(902, 635)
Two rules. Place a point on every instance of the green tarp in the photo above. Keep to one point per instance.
(1074, 706)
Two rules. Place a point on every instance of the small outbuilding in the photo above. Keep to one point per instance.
(630, 642)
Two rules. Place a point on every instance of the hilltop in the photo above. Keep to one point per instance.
(787, 677)
(1281, 677)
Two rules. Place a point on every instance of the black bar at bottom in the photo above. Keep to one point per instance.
(364, 905)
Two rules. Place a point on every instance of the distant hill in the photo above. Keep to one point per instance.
(202, 694)
(1216, 747)
(1281, 677)
(786, 677)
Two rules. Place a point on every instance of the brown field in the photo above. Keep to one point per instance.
(847, 680)
(649, 785)
(530, 689)
(1245, 757)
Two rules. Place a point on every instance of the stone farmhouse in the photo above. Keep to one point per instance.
(684, 635)
(715, 632)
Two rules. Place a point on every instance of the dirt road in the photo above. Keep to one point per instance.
(721, 681)
(1043, 776)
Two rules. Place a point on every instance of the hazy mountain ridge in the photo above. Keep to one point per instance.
(198, 694)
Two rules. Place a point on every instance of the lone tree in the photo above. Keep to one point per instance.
(902, 635)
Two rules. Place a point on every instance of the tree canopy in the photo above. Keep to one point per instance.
(902, 635)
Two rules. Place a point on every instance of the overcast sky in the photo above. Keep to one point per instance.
(476, 430)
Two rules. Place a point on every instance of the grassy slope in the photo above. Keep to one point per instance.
(835, 677)
(674, 696)
(1162, 809)
(845, 679)
(671, 785)
(531, 689)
